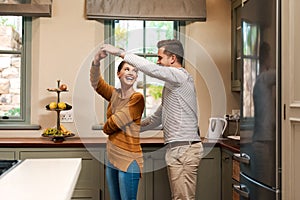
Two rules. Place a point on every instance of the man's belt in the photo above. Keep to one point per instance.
(180, 143)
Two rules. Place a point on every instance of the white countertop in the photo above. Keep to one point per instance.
(41, 179)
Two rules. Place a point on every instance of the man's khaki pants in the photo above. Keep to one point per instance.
(182, 164)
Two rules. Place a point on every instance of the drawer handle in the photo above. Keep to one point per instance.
(243, 158)
(242, 190)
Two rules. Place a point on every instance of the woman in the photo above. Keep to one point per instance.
(124, 113)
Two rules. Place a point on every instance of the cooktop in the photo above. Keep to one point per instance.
(7, 165)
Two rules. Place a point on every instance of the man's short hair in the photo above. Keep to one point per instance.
(172, 46)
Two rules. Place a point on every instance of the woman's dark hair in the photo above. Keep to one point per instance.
(121, 65)
(172, 47)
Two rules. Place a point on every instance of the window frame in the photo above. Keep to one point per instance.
(24, 121)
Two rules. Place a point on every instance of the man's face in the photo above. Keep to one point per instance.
(163, 59)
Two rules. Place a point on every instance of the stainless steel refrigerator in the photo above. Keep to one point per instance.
(260, 123)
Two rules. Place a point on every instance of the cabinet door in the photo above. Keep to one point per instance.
(236, 41)
(290, 139)
(156, 180)
(226, 175)
(209, 176)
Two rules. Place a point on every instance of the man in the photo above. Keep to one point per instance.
(177, 114)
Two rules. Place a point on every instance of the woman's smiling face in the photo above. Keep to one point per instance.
(128, 74)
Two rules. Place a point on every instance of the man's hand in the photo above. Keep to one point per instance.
(99, 56)
(112, 50)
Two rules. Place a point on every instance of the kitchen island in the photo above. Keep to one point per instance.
(36, 179)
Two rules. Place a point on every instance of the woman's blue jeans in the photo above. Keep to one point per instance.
(123, 185)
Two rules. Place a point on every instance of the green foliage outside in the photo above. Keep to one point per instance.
(13, 112)
(163, 26)
(155, 91)
(4, 22)
(164, 30)
(120, 37)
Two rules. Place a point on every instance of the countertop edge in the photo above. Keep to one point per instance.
(75, 142)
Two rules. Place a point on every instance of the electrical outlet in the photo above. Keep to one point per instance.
(66, 116)
(235, 112)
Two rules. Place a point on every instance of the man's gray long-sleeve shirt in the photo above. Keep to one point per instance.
(178, 111)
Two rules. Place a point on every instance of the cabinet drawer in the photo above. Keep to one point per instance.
(86, 194)
(7, 155)
(236, 170)
(235, 195)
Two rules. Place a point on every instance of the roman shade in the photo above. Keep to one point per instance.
(33, 8)
(187, 10)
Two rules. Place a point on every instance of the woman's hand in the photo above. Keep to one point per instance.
(99, 56)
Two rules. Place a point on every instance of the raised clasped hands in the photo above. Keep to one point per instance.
(111, 49)
(104, 49)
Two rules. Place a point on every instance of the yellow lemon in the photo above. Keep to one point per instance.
(53, 105)
(62, 105)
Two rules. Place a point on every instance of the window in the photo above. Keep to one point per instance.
(140, 37)
(15, 34)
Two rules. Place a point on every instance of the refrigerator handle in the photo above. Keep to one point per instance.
(242, 158)
(242, 190)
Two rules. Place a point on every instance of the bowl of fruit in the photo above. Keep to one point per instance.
(57, 135)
